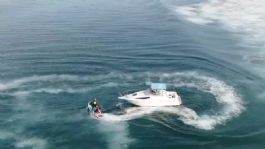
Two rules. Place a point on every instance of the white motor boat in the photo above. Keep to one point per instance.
(156, 96)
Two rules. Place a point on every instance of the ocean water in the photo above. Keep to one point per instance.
(55, 56)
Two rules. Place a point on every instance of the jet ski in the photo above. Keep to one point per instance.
(155, 96)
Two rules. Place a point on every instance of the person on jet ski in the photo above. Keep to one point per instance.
(94, 105)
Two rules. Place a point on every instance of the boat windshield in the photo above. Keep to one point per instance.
(158, 86)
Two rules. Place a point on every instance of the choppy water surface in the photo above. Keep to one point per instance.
(56, 56)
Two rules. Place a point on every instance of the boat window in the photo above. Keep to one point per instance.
(143, 98)
(134, 94)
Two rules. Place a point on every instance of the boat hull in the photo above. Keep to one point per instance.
(153, 101)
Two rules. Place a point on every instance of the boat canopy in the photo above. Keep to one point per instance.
(158, 86)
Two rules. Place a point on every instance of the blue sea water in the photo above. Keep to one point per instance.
(55, 56)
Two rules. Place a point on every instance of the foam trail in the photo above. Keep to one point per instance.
(23, 86)
(138, 112)
(6, 135)
(72, 90)
(17, 83)
(181, 111)
(117, 135)
(245, 18)
(34, 143)
(243, 15)
(232, 104)
(130, 113)
(225, 95)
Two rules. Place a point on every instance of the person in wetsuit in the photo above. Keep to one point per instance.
(94, 105)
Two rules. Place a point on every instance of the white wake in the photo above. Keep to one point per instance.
(244, 19)
(56, 84)
(225, 95)
(243, 15)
